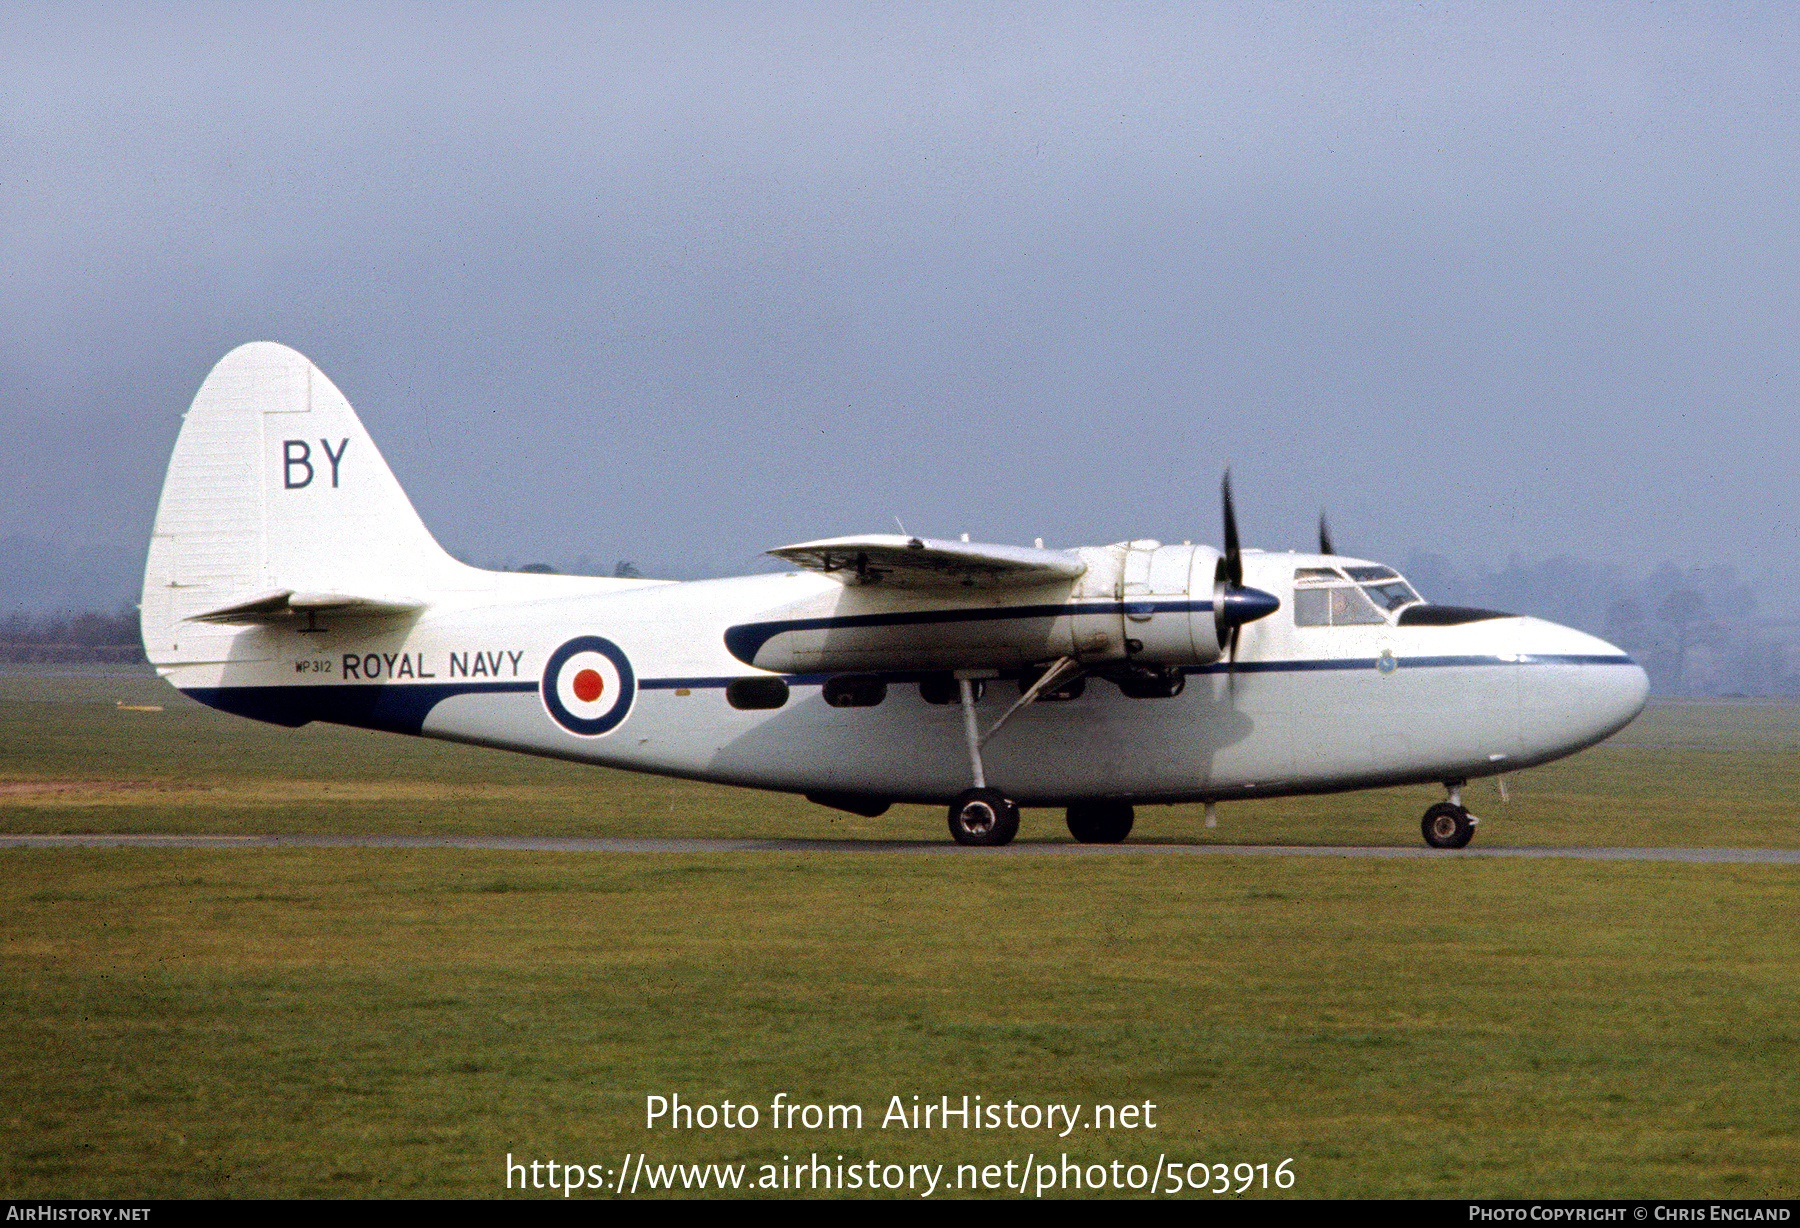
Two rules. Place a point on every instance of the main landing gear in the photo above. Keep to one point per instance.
(986, 816)
(1449, 825)
(1100, 822)
(983, 817)
(980, 816)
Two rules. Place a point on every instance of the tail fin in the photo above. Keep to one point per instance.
(277, 504)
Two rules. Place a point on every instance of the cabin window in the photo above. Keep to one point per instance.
(855, 691)
(753, 694)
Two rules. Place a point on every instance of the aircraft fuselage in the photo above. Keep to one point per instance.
(1305, 708)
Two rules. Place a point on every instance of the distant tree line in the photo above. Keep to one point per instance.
(624, 569)
(69, 636)
(1695, 630)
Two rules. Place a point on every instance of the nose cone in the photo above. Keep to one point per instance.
(1575, 690)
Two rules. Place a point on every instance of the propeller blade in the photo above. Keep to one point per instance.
(1233, 604)
(1233, 561)
(1324, 536)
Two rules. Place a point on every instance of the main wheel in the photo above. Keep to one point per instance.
(1100, 822)
(1447, 826)
(985, 817)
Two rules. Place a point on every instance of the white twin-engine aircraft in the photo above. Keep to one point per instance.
(290, 580)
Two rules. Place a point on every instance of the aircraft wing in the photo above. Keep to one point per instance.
(900, 562)
(283, 604)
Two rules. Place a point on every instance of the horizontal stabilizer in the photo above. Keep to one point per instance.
(285, 604)
(919, 563)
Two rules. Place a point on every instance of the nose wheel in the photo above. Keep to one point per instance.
(1447, 826)
(985, 817)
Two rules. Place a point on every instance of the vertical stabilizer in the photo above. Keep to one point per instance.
(275, 489)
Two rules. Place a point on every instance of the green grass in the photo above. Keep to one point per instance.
(378, 1022)
(358, 1022)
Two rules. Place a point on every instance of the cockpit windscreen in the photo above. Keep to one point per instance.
(1379, 591)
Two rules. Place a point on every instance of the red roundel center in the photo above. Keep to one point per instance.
(588, 686)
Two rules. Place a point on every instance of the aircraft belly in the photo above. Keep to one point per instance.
(508, 721)
(1102, 744)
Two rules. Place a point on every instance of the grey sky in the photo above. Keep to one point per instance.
(680, 283)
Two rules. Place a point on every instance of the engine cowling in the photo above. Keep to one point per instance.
(1136, 602)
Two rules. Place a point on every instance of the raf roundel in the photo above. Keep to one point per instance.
(588, 686)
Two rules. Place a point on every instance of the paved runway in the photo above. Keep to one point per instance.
(597, 844)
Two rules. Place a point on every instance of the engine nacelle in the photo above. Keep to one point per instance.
(1139, 603)
(1166, 604)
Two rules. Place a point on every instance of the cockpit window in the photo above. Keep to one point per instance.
(1322, 599)
(1349, 607)
(1392, 596)
(1334, 607)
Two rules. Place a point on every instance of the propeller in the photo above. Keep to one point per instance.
(1234, 604)
(1231, 567)
(1324, 536)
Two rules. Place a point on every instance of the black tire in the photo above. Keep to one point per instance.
(1446, 826)
(1100, 822)
(984, 817)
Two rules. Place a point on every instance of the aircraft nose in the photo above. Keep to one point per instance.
(1577, 689)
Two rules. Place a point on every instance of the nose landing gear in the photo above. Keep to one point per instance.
(1449, 825)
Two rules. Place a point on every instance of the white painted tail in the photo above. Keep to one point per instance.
(277, 504)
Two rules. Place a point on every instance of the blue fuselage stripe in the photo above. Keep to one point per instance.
(397, 706)
(1444, 662)
(403, 706)
(745, 640)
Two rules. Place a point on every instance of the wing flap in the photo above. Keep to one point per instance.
(900, 562)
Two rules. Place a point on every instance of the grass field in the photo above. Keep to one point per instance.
(381, 1022)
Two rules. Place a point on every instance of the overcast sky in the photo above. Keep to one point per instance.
(680, 283)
